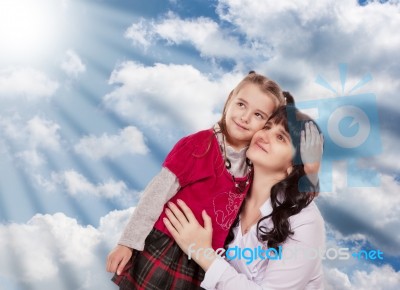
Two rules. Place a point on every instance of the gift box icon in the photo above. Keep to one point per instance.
(350, 124)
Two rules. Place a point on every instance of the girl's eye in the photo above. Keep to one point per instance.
(240, 104)
(281, 138)
(260, 116)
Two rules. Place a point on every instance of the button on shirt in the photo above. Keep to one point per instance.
(297, 266)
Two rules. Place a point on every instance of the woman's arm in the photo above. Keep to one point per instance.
(285, 273)
(192, 238)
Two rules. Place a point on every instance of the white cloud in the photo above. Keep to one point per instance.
(75, 184)
(203, 33)
(140, 33)
(55, 250)
(27, 137)
(72, 64)
(309, 38)
(31, 157)
(375, 278)
(26, 83)
(372, 211)
(164, 96)
(129, 141)
(43, 133)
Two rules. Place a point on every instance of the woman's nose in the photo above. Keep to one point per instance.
(265, 135)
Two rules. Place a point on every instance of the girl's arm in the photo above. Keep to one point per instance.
(286, 273)
(161, 188)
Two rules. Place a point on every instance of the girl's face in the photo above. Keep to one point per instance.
(272, 148)
(247, 113)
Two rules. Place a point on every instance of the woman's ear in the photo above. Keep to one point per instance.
(289, 170)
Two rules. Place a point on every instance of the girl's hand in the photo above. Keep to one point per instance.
(192, 238)
(118, 258)
(311, 149)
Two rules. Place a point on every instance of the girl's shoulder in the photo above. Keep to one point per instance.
(200, 135)
(196, 142)
(193, 145)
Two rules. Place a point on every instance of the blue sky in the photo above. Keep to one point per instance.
(93, 94)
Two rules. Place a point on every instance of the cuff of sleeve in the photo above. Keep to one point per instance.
(214, 273)
(133, 245)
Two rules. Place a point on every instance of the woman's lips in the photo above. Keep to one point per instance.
(257, 143)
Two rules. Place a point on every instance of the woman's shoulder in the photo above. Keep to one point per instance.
(308, 215)
(308, 226)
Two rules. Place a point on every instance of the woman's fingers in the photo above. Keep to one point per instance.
(207, 221)
(171, 228)
(187, 211)
(180, 216)
(173, 220)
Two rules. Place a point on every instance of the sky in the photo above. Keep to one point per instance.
(93, 95)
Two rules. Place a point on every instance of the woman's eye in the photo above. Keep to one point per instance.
(281, 138)
(240, 104)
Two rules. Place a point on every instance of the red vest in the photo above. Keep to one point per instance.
(197, 162)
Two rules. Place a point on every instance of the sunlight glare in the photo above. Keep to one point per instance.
(27, 27)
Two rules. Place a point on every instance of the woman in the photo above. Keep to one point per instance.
(278, 219)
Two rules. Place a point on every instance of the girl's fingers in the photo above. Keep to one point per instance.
(178, 213)
(173, 220)
(314, 135)
(308, 133)
(187, 211)
(302, 140)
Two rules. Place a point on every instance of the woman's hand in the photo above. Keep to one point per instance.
(311, 149)
(192, 238)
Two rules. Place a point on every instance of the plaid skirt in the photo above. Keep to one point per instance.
(161, 265)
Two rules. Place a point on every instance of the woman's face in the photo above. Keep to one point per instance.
(272, 149)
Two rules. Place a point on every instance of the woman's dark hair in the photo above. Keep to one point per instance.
(288, 98)
(292, 194)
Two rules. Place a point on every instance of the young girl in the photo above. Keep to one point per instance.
(275, 214)
(208, 170)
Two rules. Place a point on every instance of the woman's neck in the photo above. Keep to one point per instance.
(261, 186)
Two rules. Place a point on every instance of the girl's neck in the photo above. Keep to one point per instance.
(236, 145)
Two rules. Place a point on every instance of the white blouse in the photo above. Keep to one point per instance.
(298, 264)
